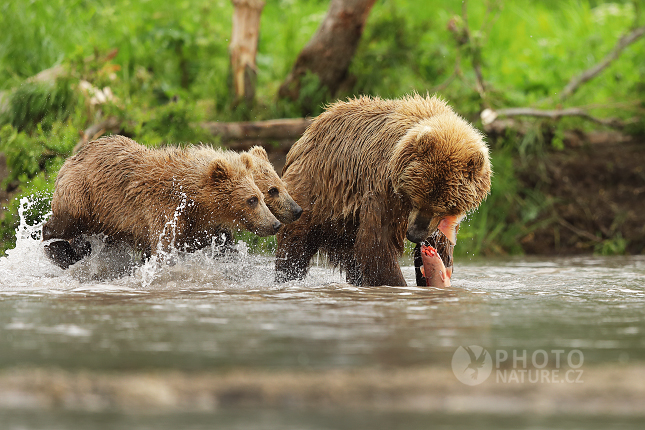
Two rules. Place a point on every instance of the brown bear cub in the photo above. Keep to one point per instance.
(153, 199)
(370, 172)
(276, 196)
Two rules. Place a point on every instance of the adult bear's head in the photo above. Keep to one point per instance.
(442, 168)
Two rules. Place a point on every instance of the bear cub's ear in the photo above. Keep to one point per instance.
(259, 152)
(247, 160)
(220, 170)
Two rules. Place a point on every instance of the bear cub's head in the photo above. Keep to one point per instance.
(276, 196)
(239, 203)
(442, 168)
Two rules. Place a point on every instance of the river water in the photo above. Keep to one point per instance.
(206, 341)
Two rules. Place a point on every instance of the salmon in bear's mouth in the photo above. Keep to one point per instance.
(433, 269)
(433, 259)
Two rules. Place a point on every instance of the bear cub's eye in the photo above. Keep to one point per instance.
(252, 202)
(273, 192)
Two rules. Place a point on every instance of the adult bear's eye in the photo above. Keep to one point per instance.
(273, 192)
(252, 202)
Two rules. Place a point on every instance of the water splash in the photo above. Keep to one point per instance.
(116, 267)
(27, 263)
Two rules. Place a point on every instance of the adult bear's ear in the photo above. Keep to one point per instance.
(475, 165)
(425, 141)
(219, 170)
(476, 162)
(259, 152)
(247, 160)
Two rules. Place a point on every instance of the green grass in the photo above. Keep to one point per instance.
(171, 71)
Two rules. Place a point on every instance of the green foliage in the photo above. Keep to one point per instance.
(528, 52)
(617, 245)
(39, 191)
(392, 39)
(313, 96)
(257, 244)
(282, 37)
(33, 161)
(28, 155)
(174, 122)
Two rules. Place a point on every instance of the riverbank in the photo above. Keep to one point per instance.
(596, 192)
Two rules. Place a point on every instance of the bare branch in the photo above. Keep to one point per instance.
(476, 54)
(464, 13)
(489, 115)
(578, 231)
(479, 83)
(589, 74)
(489, 21)
(442, 86)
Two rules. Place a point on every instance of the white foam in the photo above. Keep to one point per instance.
(26, 265)
(116, 268)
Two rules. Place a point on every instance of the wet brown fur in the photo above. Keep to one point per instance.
(132, 193)
(364, 169)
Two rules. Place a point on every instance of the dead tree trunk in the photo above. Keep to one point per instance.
(329, 52)
(243, 48)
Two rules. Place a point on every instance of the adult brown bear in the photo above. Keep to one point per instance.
(369, 172)
(152, 199)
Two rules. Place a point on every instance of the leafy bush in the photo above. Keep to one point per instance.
(33, 163)
(28, 155)
(39, 104)
(174, 122)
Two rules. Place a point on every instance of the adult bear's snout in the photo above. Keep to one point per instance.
(420, 226)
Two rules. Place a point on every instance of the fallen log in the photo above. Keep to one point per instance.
(274, 129)
(235, 135)
(574, 138)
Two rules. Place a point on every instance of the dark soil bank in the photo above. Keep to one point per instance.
(598, 194)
